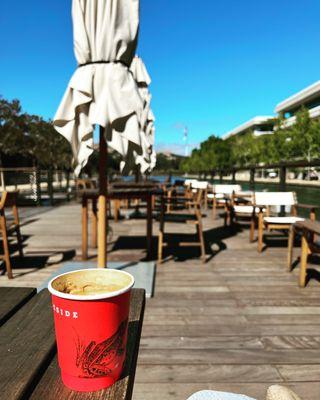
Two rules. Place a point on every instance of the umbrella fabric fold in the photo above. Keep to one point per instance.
(146, 157)
(102, 90)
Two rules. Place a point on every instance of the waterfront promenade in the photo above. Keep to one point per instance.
(237, 323)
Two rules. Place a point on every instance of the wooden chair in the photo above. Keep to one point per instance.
(242, 210)
(309, 230)
(220, 196)
(268, 219)
(9, 200)
(203, 186)
(193, 216)
(300, 228)
(84, 184)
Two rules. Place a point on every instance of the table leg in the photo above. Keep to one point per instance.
(116, 208)
(304, 259)
(94, 224)
(290, 247)
(260, 231)
(84, 229)
(149, 226)
(252, 228)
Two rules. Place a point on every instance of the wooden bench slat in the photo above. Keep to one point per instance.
(51, 386)
(12, 299)
(27, 344)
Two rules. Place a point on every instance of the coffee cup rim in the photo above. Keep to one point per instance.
(99, 296)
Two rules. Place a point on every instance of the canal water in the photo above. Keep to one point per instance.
(305, 194)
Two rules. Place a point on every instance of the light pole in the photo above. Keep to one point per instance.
(185, 139)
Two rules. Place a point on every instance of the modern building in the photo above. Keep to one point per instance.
(308, 98)
(262, 125)
(259, 125)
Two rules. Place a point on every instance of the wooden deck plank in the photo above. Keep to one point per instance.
(21, 365)
(206, 342)
(205, 373)
(12, 300)
(240, 318)
(172, 391)
(51, 386)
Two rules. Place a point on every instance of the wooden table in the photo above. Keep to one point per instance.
(141, 193)
(309, 229)
(28, 367)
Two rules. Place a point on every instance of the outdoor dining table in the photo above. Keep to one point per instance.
(308, 229)
(142, 193)
(29, 368)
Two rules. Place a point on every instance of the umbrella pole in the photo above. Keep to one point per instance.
(102, 202)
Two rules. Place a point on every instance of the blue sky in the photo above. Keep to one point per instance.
(213, 64)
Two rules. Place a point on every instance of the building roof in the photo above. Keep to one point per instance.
(299, 98)
(256, 121)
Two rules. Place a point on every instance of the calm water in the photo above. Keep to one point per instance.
(305, 194)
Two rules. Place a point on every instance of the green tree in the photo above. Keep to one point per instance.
(305, 137)
(32, 136)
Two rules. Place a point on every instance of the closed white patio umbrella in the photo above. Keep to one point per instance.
(102, 90)
(142, 156)
(146, 157)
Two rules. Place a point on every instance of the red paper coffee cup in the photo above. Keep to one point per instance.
(91, 330)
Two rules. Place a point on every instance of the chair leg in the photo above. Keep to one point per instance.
(6, 246)
(304, 259)
(260, 232)
(290, 248)
(19, 238)
(116, 208)
(200, 234)
(252, 229)
(201, 241)
(214, 207)
(160, 246)
(227, 216)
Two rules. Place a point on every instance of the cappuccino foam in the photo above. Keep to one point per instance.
(91, 282)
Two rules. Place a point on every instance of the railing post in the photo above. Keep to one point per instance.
(252, 182)
(3, 185)
(38, 186)
(220, 176)
(282, 181)
(50, 185)
(68, 185)
(283, 186)
(233, 176)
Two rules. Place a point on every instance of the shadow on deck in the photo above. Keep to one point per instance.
(237, 323)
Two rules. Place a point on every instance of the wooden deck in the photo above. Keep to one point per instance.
(237, 323)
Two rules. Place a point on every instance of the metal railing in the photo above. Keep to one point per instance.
(38, 186)
(282, 168)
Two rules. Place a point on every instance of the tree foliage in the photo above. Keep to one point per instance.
(300, 141)
(31, 136)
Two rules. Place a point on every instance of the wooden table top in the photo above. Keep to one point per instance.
(122, 193)
(29, 368)
(135, 185)
(311, 226)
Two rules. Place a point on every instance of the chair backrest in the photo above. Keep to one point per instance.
(199, 184)
(83, 184)
(226, 189)
(189, 182)
(275, 198)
